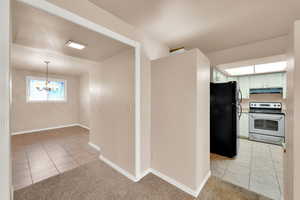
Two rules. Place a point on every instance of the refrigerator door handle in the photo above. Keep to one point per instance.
(240, 111)
(240, 94)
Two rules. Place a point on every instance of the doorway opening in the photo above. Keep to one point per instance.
(61, 65)
(257, 128)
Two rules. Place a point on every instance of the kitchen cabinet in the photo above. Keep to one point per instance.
(219, 77)
(254, 81)
(266, 80)
(232, 78)
(244, 85)
(244, 125)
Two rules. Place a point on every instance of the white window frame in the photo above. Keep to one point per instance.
(28, 78)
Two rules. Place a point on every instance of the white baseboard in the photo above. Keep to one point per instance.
(83, 126)
(203, 183)
(44, 129)
(119, 169)
(145, 173)
(95, 146)
(181, 186)
(12, 192)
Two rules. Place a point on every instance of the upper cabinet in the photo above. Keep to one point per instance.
(244, 85)
(218, 77)
(266, 80)
(254, 81)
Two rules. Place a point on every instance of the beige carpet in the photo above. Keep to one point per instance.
(97, 181)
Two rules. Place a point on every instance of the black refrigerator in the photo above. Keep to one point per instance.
(225, 111)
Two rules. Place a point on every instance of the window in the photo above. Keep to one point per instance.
(35, 93)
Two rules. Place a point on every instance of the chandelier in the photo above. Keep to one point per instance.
(48, 87)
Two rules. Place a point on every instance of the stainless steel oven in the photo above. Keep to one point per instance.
(267, 124)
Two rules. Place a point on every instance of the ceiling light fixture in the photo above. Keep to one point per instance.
(271, 67)
(75, 45)
(240, 70)
(47, 86)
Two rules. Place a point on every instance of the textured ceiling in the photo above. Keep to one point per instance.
(207, 24)
(40, 30)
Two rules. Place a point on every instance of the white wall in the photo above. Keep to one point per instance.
(291, 157)
(112, 109)
(271, 47)
(5, 37)
(84, 100)
(180, 117)
(27, 116)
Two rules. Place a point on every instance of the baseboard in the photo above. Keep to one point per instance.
(12, 192)
(203, 183)
(181, 186)
(145, 173)
(44, 129)
(95, 146)
(119, 169)
(83, 126)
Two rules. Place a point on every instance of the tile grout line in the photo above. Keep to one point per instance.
(67, 151)
(274, 168)
(29, 166)
(50, 158)
(250, 171)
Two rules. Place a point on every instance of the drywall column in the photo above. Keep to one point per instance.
(291, 158)
(112, 111)
(5, 173)
(180, 119)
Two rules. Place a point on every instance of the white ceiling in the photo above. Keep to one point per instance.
(46, 34)
(210, 25)
(32, 59)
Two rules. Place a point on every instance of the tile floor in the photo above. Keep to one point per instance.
(40, 155)
(258, 167)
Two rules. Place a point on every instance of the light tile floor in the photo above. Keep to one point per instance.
(40, 155)
(258, 167)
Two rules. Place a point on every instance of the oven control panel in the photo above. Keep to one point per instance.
(265, 105)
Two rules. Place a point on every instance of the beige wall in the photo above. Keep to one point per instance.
(271, 47)
(180, 117)
(151, 49)
(112, 105)
(30, 116)
(292, 159)
(145, 114)
(84, 100)
(203, 118)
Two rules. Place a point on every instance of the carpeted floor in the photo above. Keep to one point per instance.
(97, 181)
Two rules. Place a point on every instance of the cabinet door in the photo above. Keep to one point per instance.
(219, 77)
(273, 80)
(257, 81)
(244, 125)
(266, 80)
(244, 85)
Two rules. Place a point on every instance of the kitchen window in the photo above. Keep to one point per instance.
(39, 91)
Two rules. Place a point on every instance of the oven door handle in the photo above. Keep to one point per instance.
(265, 117)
